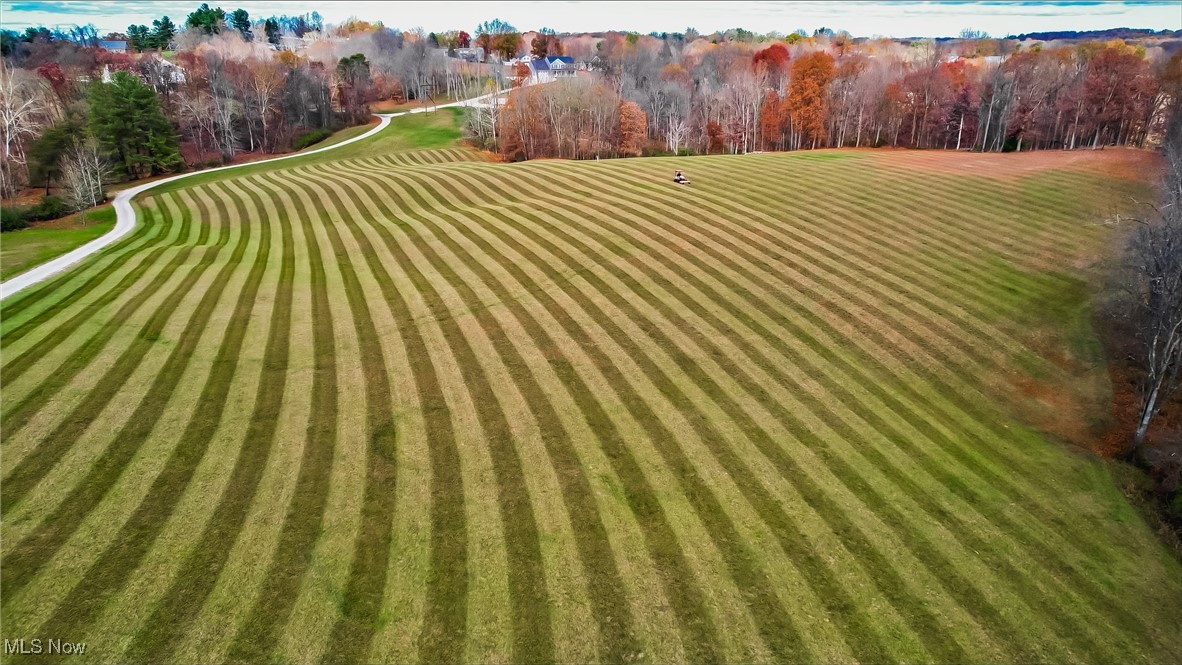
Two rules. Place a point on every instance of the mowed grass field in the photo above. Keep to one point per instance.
(409, 405)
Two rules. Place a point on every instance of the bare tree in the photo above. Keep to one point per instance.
(84, 174)
(1155, 259)
(26, 108)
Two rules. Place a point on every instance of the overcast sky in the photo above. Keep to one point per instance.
(864, 19)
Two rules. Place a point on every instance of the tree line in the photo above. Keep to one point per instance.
(203, 92)
(710, 95)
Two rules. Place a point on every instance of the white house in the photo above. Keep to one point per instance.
(544, 70)
(561, 66)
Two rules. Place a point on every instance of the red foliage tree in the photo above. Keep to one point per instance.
(715, 137)
(52, 72)
(465, 40)
(521, 73)
(775, 60)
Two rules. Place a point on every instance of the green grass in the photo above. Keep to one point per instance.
(400, 404)
(24, 249)
(420, 131)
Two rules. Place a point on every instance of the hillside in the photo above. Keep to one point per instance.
(405, 404)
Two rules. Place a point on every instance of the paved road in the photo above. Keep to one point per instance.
(125, 214)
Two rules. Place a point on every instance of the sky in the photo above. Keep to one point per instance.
(904, 18)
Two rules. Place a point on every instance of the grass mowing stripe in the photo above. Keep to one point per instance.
(176, 610)
(447, 580)
(595, 261)
(259, 633)
(160, 231)
(954, 229)
(771, 271)
(698, 632)
(971, 266)
(951, 482)
(41, 459)
(1067, 631)
(353, 633)
(866, 263)
(111, 571)
(984, 420)
(16, 366)
(532, 632)
(920, 423)
(865, 645)
(946, 262)
(50, 288)
(604, 585)
(932, 303)
(388, 239)
(29, 555)
(682, 574)
(1006, 526)
(82, 357)
(1048, 553)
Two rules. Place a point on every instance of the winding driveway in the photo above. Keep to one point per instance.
(125, 214)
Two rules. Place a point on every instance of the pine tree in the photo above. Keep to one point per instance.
(126, 120)
(163, 30)
(240, 21)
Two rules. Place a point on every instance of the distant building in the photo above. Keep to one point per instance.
(475, 54)
(561, 66)
(544, 70)
(114, 46)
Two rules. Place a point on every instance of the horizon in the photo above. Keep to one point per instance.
(907, 18)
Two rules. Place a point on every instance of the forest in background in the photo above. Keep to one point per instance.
(224, 86)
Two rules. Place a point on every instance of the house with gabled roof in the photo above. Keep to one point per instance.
(561, 66)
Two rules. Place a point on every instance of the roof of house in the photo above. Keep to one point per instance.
(540, 65)
(566, 59)
(113, 45)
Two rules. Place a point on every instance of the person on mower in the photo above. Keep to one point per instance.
(680, 178)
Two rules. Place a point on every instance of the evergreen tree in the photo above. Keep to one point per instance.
(126, 120)
(45, 154)
(240, 21)
(163, 30)
(138, 37)
(271, 27)
(206, 19)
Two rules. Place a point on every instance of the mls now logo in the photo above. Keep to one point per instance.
(37, 646)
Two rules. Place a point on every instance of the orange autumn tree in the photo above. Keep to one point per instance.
(521, 73)
(631, 127)
(808, 97)
(773, 121)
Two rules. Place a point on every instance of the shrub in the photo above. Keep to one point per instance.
(311, 138)
(686, 152)
(654, 151)
(12, 219)
(50, 207)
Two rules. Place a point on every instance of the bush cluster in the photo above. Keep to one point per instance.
(311, 138)
(50, 207)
